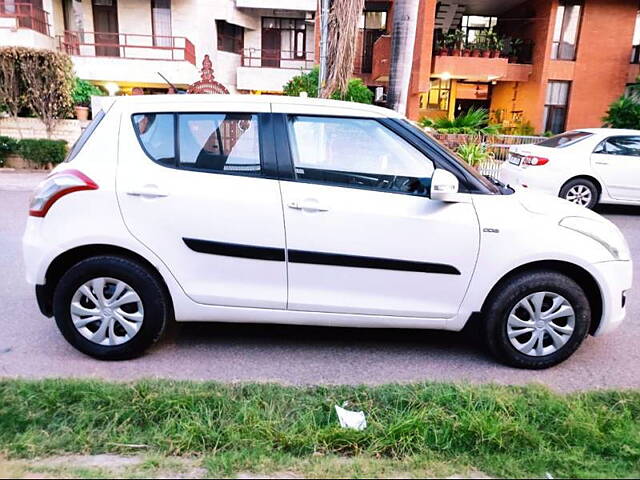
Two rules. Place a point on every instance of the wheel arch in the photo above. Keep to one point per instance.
(578, 274)
(591, 178)
(67, 259)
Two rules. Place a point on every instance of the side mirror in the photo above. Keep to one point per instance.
(444, 186)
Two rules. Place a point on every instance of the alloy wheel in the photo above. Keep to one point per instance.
(580, 195)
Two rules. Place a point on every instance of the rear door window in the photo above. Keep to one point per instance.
(155, 132)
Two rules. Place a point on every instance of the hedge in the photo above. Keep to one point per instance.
(39, 151)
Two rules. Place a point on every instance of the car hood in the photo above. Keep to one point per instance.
(552, 207)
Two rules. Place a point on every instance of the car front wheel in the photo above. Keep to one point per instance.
(536, 319)
(111, 308)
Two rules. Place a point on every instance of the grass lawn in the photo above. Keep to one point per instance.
(413, 430)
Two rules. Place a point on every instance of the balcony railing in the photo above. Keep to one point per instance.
(127, 45)
(26, 15)
(271, 58)
(635, 54)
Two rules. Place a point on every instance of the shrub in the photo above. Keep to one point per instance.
(42, 151)
(83, 91)
(473, 122)
(308, 82)
(40, 80)
(623, 113)
(474, 153)
(8, 146)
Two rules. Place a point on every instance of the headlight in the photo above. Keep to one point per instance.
(605, 233)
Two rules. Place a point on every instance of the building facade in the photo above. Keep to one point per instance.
(255, 45)
(560, 63)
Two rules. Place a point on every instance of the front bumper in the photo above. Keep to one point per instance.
(614, 279)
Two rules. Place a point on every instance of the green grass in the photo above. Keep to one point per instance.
(503, 431)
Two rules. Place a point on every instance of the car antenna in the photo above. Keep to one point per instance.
(175, 89)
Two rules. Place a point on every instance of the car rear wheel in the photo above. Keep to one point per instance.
(536, 319)
(580, 191)
(111, 308)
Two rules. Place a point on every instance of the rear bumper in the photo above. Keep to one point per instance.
(615, 280)
(532, 177)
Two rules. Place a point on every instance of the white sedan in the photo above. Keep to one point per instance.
(586, 167)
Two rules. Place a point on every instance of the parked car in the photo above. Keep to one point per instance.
(311, 212)
(586, 167)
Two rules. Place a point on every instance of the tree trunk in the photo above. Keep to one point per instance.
(403, 37)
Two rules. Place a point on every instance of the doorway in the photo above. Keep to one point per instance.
(105, 25)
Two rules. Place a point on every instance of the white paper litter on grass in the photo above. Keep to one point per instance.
(349, 419)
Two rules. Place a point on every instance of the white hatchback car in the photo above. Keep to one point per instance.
(586, 167)
(309, 212)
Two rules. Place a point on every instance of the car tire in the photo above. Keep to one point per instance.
(89, 310)
(582, 192)
(507, 319)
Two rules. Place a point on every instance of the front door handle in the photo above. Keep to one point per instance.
(602, 163)
(148, 191)
(310, 205)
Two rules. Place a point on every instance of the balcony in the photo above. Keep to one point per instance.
(109, 56)
(23, 24)
(480, 69)
(277, 67)
(300, 5)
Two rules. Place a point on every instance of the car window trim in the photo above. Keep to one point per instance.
(285, 159)
(268, 167)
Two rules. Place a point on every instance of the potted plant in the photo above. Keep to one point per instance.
(458, 40)
(514, 49)
(82, 93)
(443, 47)
(475, 50)
(497, 44)
(474, 154)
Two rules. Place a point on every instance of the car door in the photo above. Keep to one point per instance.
(362, 236)
(617, 162)
(195, 188)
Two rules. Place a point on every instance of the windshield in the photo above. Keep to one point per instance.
(490, 185)
(564, 139)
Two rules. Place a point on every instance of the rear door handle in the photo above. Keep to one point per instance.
(602, 163)
(148, 191)
(308, 206)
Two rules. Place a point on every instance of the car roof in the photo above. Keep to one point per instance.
(288, 104)
(607, 132)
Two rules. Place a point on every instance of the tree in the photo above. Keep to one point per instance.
(356, 91)
(343, 32)
(405, 16)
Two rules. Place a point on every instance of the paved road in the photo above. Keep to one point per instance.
(30, 345)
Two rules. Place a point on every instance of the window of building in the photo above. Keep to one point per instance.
(286, 36)
(359, 153)
(566, 30)
(230, 37)
(437, 98)
(473, 26)
(161, 22)
(635, 53)
(555, 108)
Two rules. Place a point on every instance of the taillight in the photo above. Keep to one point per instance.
(55, 186)
(533, 161)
